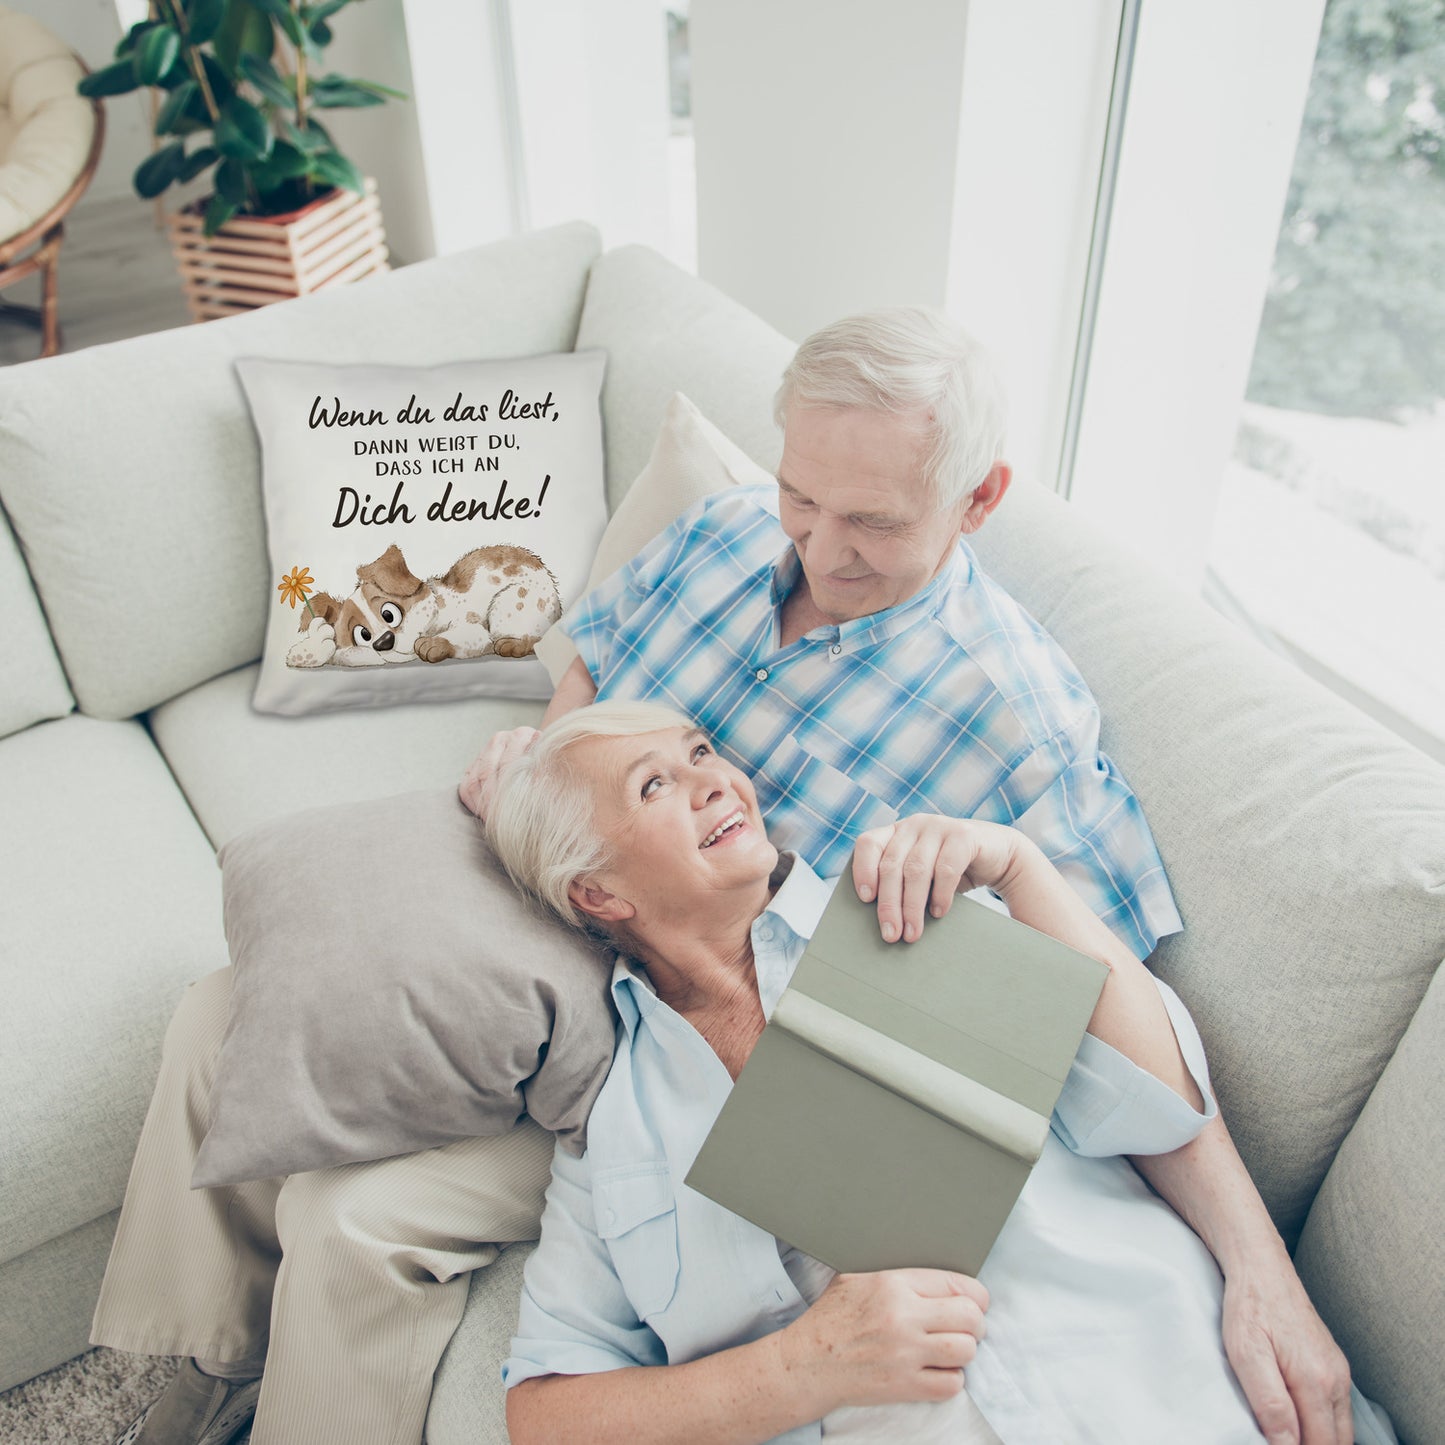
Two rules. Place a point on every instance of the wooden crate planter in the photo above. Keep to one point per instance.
(255, 260)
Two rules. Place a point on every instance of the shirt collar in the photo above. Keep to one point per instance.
(800, 898)
(878, 626)
(779, 933)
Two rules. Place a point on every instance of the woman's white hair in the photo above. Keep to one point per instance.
(542, 820)
(908, 360)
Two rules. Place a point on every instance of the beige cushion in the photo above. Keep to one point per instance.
(122, 503)
(110, 905)
(1373, 1250)
(1302, 841)
(24, 42)
(47, 130)
(691, 459)
(393, 993)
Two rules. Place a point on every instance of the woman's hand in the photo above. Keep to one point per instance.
(475, 788)
(897, 1335)
(918, 864)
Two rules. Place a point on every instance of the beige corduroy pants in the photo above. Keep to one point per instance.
(350, 1281)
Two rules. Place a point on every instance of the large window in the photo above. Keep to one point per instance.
(1330, 528)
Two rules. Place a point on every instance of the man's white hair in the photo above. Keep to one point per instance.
(908, 360)
(542, 821)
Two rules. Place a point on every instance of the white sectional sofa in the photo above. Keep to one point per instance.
(1306, 846)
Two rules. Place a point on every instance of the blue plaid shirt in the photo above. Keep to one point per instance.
(954, 702)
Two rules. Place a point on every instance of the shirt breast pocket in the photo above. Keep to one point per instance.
(819, 810)
(636, 1212)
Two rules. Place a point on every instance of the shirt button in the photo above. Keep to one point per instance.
(761, 674)
(765, 933)
(836, 648)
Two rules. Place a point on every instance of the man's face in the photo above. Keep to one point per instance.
(854, 503)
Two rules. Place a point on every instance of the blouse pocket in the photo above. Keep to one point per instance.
(637, 1217)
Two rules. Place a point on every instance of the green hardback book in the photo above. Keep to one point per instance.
(894, 1105)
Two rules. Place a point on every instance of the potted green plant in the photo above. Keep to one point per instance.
(240, 85)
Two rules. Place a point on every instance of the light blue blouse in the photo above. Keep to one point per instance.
(1105, 1316)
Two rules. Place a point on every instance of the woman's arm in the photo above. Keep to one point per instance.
(1294, 1375)
(917, 865)
(903, 1334)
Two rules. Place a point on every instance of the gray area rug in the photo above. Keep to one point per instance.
(86, 1402)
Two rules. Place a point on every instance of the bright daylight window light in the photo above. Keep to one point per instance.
(1330, 532)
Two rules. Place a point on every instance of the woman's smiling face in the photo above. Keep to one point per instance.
(681, 823)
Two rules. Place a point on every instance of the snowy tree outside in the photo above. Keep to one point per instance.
(1331, 526)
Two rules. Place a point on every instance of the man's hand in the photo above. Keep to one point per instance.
(1295, 1377)
(476, 785)
(916, 865)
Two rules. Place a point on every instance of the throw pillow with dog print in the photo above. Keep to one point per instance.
(426, 525)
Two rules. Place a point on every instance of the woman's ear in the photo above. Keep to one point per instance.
(596, 902)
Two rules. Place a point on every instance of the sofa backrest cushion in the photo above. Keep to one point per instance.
(132, 475)
(35, 687)
(1301, 840)
(1373, 1250)
(664, 332)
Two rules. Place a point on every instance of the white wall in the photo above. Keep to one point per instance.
(460, 151)
(385, 140)
(592, 107)
(1036, 83)
(827, 145)
(936, 153)
(1191, 244)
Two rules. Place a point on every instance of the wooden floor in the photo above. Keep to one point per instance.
(117, 279)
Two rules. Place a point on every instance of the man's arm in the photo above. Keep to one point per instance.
(1295, 1377)
(576, 689)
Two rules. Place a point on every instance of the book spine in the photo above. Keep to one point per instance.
(953, 1097)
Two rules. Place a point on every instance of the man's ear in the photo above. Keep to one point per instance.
(986, 496)
(596, 902)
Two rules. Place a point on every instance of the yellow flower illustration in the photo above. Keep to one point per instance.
(297, 586)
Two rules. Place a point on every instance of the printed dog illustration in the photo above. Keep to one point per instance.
(493, 600)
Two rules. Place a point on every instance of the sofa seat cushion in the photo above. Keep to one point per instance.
(239, 768)
(166, 542)
(468, 1403)
(1302, 841)
(111, 904)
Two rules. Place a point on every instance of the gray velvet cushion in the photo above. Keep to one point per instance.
(392, 993)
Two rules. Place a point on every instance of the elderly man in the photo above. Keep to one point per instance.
(838, 640)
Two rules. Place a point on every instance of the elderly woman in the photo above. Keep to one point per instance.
(654, 1314)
